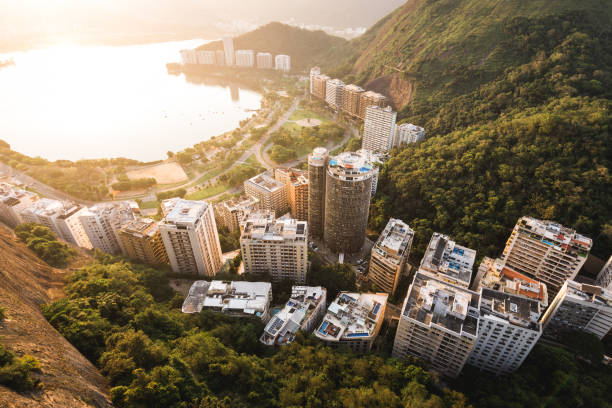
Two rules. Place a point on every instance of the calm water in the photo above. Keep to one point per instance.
(73, 102)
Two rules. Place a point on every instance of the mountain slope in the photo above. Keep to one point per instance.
(68, 379)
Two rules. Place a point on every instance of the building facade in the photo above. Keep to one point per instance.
(265, 60)
(142, 240)
(350, 99)
(189, 57)
(333, 93)
(370, 98)
(206, 57)
(320, 86)
(271, 193)
(296, 184)
(102, 222)
(228, 50)
(314, 71)
(408, 133)
(317, 170)
(449, 261)
(245, 58)
(13, 201)
(604, 278)
(378, 129)
(282, 63)
(233, 212)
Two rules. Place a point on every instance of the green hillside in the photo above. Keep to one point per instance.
(306, 48)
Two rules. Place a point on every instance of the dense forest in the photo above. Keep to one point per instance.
(45, 244)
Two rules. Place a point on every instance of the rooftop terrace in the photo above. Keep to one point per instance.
(554, 234)
(140, 227)
(265, 182)
(248, 298)
(448, 260)
(395, 240)
(183, 211)
(589, 293)
(267, 229)
(353, 166)
(516, 310)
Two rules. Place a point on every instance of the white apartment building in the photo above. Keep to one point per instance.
(282, 63)
(546, 251)
(233, 212)
(220, 58)
(353, 320)
(265, 60)
(604, 278)
(579, 306)
(189, 233)
(102, 223)
(438, 323)
(303, 311)
(228, 49)
(507, 331)
(390, 255)
(240, 299)
(13, 201)
(333, 93)
(63, 218)
(275, 247)
(408, 133)
(377, 159)
(449, 261)
(188, 57)
(314, 71)
(245, 58)
(271, 193)
(206, 57)
(378, 129)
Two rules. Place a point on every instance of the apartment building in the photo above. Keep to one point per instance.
(61, 217)
(390, 255)
(239, 299)
(13, 201)
(271, 193)
(228, 50)
(296, 184)
(449, 261)
(275, 247)
(282, 63)
(578, 306)
(507, 331)
(188, 57)
(317, 169)
(206, 57)
(408, 133)
(314, 71)
(265, 60)
(220, 58)
(320, 86)
(102, 222)
(190, 237)
(353, 320)
(233, 212)
(546, 251)
(350, 99)
(370, 98)
(604, 278)
(438, 323)
(303, 311)
(378, 129)
(333, 93)
(377, 159)
(142, 240)
(245, 58)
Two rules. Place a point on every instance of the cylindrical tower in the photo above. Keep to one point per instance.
(347, 201)
(317, 166)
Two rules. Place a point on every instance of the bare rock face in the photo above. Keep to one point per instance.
(67, 378)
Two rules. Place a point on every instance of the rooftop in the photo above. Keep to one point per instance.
(249, 298)
(433, 302)
(244, 202)
(46, 207)
(140, 227)
(394, 241)
(352, 315)
(194, 302)
(589, 293)
(516, 310)
(265, 182)
(11, 195)
(556, 235)
(263, 227)
(183, 211)
(351, 166)
(353, 88)
(448, 260)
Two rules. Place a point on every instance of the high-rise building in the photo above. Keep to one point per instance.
(507, 331)
(348, 188)
(350, 99)
(271, 193)
(245, 58)
(265, 60)
(190, 237)
(378, 129)
(438, 323)
(353, 320)
(546, 251)
(333, 93)
(579, 306)
(206, 57)
(377, 159)
(282, 63)
(320, 86)
(449, 261)
(228, 49)
(317, 169)
(189, 57)
(61, 217)
(303, 311)
(13, 201)
(604, 278)
(142, 240)
(370, 98)
(314, 71)
(390, 255)
(407, 133)
(102, 222)
(275, 247)
(231, 213)
(296, 183)
(220, 58)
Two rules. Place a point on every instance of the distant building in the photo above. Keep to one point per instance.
(378, 129)
(190, 237)
(546, 251)
(228, 49)
(370, 98)
(102, 222)
(240, 299)
(265, 60)
(275, 247)
(303, 311)
(220, 58)
(317, 169)
(408, 133)
(350, 99)
(13, 201)
(231, 213)
(507, 331)
(245, 58)
(320, 86)
(142, 240)
(188, 57)
(579, 306)
(314, 71)
(206, 57)
(271, 193)
(390, 255)
(282, 63)
(604, 278)
(296, 183)
(333, 93)
(438, 323)
(449, 261)
(353, 320)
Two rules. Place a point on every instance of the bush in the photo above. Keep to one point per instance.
(164, 195)
(2, 313)
(15, 373)
(126, 185)
(44, 243)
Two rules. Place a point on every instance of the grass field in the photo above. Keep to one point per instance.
(299, 114)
